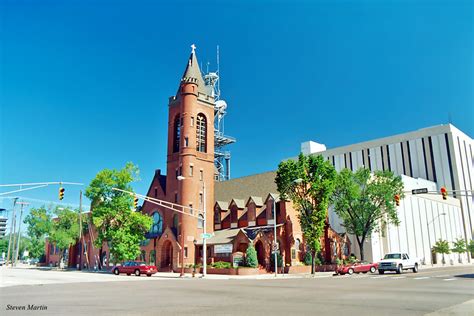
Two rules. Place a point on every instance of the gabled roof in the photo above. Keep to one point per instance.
(224, 206)
(274, 196)
(224, 236)
(240, 203)
(256, 199)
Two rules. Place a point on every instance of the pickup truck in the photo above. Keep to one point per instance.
(398, 261)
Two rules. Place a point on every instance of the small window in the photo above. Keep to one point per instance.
(185, 252)
(186, 142)
(200, 200)
(156, 192)
(177, 174)
(191, 171)
(191, 208)
(176, 197)
(293, 254)
(201, 175)
(192, 120)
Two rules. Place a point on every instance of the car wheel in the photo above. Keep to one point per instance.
(415, 268)
(350, 271)
(372, 269)
(400, 269)
(116, 271)
(381, 271)
(137, 272)
(148, 275)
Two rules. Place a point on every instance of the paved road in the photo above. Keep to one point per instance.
(443, 291)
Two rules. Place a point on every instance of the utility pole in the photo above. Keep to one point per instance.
(204, 241)
(19, 231)
(12, 225)
(275, 236)
(80, 231)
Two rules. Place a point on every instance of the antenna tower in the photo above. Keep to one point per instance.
(221, 155)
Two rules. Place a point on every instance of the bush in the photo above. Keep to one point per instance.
(307, 258)
(221, 265)
(251, 257)
(338, 261)
(279, 261)
(317, 262)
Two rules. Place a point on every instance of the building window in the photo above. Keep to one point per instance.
(293, 254)
(217, 216)
(192, 120)
(200, 221)
(201, 133)
(153, 257)
(200, 200)
(157, 227)
(156, 192)
(297, 244)
(191, 208)
(185, 252)
(201, 175)
(176, 197)
(191, 171)
(175, 221)
(177, 173)
(143, 255)
(177, 133)
(186, 141)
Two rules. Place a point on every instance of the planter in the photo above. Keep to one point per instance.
(298, 269)
(247, 271)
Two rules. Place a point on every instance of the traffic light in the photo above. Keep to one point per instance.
(444, 193)
(135, 202)
(61, 193)
(397, 199)
(3, 226)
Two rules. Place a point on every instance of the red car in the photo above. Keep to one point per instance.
(357, 267)
(135, 267)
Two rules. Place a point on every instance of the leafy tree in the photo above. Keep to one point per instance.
(4, 244)
(251, 257)
(442, 247)
(112, 213)
(308, 182)
(365, 201)
(39, 226)
(65, 229)
(470, 247)
(459, 247)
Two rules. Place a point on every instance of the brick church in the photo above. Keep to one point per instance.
(239, 211)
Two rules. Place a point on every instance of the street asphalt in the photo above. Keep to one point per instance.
(440, 291)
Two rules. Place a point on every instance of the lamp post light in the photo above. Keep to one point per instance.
(204, 239)
(429, 238)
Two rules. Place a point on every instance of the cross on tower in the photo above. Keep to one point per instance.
(193, 47)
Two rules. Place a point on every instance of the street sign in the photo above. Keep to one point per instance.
(419, 191)
(206, 236)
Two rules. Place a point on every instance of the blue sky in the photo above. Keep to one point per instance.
(84, 84)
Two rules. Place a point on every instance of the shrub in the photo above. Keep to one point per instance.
(338, 261)
(307, 258)
(279, 260)
(317, 261)
(251, 257)
(221, 265)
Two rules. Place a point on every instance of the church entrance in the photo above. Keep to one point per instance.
(167, 256)
(260, 253)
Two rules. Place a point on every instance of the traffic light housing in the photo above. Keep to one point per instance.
(135, 202)
(444, 193)
(3, 226)
(397, 199)
(61, 193)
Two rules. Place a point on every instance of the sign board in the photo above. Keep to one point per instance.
(419, 191)
(206, 236)
(226, 248)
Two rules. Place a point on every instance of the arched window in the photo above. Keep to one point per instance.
(200, 221)
(201, 133)
(143, 255)
(157, 227)
(297, 244)
(177, 133)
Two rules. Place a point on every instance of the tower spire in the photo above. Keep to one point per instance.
(192, 73)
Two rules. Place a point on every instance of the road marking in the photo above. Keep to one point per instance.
(452, 279)
(442, 276)
(379, 277)
(421, 278)
(400, 277)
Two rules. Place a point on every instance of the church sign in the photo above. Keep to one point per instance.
(226, 248)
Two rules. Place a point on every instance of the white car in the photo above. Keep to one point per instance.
(398, 261)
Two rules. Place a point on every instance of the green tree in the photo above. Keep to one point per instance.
(112, 213)
(442, 247)
(308, 182)
(4, 244)
(470, 247)
(39, 226)
(251, 257)
(459, 247)
(365, 201)
(64, 230)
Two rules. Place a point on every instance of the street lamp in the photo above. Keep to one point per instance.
(204, 239)
(429, 239)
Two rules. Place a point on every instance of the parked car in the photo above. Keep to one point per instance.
(357, 267)
(135, 267)
(398, 261)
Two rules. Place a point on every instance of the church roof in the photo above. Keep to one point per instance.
(258, 185)
(192, 74)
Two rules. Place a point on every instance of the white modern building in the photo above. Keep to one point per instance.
(441, 154)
